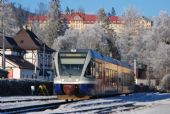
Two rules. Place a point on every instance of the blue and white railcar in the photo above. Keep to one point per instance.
(88, 73)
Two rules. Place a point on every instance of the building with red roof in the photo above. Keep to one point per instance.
(80, 21)
(77, 21)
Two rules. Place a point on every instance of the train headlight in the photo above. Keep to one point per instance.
(62, 80)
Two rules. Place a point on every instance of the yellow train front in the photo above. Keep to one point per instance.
(81, 74)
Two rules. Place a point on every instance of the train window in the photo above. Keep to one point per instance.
(71, 69)
(110, 76)
(89, 70)
(119, 79)
(96, 70)
(100, 70)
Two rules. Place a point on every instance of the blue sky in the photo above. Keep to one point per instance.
(146, 7)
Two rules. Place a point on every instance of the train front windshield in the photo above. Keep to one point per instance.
(71, 64)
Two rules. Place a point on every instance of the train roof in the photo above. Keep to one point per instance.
(100, 56)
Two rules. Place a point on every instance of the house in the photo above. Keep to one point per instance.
(27, 57)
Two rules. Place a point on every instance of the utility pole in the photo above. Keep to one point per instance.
(150, 74)
(3, 35)
(135, 68)
(43, 60)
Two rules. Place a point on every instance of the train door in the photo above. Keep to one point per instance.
(114, 80)
(101, 77)
(97, 75)
(106, 80)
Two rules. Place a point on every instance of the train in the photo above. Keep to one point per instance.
(86, 73)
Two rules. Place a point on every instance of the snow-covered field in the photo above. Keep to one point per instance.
(137, 103)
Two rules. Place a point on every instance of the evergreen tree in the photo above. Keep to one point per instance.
(113, 12)
(109, 14)
(81, 10)
(103, 19)
(72, 11)
(67, 10)
(109, 37)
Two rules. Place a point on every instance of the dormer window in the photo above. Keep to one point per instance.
(21, 41)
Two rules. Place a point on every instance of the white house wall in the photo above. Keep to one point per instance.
(30, 56)
(16, 73)
(8, 64)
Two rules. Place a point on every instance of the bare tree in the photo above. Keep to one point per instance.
(21, 15)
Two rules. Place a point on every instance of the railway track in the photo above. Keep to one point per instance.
(15, 106)
(25, 98)
(98, 106)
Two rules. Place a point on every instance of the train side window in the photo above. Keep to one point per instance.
(96, 70)
(100, 70)
(89, 70)
(119, 79)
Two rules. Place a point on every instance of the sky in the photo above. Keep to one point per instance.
(145, 7)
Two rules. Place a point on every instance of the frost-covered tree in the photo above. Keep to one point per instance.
(129, 42)
(130, 19)
(8, 19)
(166, 82)
(69, 40)
(109, 36)
(56, 23)
(103, 19)
(91, 37)
(155, 49)
(35, 27)
(162, 27)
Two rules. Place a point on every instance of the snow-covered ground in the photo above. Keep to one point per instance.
(137, 103)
